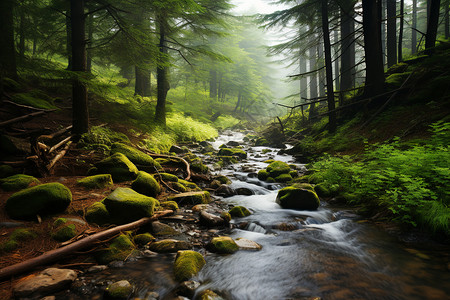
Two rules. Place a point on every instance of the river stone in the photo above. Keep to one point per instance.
(187, 288)
(244, 191)
(169, 246)
(202, 197)
(224, 191)
(119, 290)
(119, 166)
(48, 281)
(299, 198)
(40, 200)
(210, 220)
(159, 229)
(125, 205)
(97, 268)
(209, 295)
(200, 207)
(277, 168)
(245, 244)
(187, 264)
(239, 212)
(222, 245)
(233, 152)
(233, 144)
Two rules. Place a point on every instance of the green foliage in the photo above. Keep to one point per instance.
(412, 183)
(34, 100)
(102, 135)
(64, 233)
(188, 129)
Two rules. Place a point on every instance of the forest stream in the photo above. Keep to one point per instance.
(331, 253)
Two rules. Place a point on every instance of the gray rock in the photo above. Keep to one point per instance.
(245, 244)
(224, 191)
(119, 290)
(95, 269)
(187, 288)
(169, 246)
(210, 220)
(48, 281)
(244, 191)
(159, 229)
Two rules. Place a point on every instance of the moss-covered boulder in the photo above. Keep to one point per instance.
(98, 214)
(209, 295)
(187, 264)
(178, 187)
(120, 248)
(192, 198)
(169, 246)
(239, 212)
(222, 245)
(18, 182)
(277, 168)
(161, 229)
(40, 200)
(167, 177)
(120, 290)
(143, 239)
(233, 152)
(283, 178)
(189, 185)
(119, 166)
(146, 184)
(172, 205)
(263, 175)
(18, 236)
(96, 182)
(140, 159)
(298, 197)
(261, 142)
(64, 233)
(126, 205)
(6, 171)
(223, 179)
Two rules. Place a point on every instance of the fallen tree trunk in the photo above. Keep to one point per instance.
(59, 156)
(24, 118)
(59, 253)
(55, 134)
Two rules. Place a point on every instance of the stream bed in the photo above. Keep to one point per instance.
(331, 253)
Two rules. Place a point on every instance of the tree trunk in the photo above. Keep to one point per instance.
(383, 30)
(413, 27)
(213, 84)
(391, 40)
(8, 66)
(321, 71)
(400, 32)
(336, 62)
(347, 47)
(447, 19)
(432, 25)
(313, 80)
(328, 68)
(303, 82)
(372, 47)
(69, 40)
(238, 101)
(80, 119)
(90, 24)
(22, 34)
(161, 75)
(142, 85)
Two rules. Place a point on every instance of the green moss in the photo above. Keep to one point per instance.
(269, 161)
(199, 168)
(119, 166)
(193, 198)
(283, 178)
(6, 171)
(125, 205)
(265, 151)
(120, 249)
(277, 168)
(168, 177)
(226, 216)
(23, 235)
(9, 246)
(119, 290)
(189, 185)
(169, 246)
(306, 186)
(96, 182)
(233, 152)
(270, 180)
(397, 79)
(40, 200)
(187, 264)
(18, 182)
(223, 245)
(60, 221)
(225, 160)
(297, 197)
(261, 142)
(239, 212)
(64, 233)
(178, 187)
(98, 214)
(323, 190)
(172, 205)
(31, 100)
(146, 184)
(223, 179)
(143, 239)
(293, 174)
(139, 158)
(263, 175)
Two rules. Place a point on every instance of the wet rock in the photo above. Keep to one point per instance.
(148, 253)
(241, 154)
(187, 264)
(233, 144)
(193, 198)
(224, 191)
(152, 296)
(209, 295)
(244, 191)
(222, 245)
(169, 246)
(119, 290)
(245, 244)
(298, 197)
(48, 281)
(239, 212)
(211, 220)
(178, 150)
(200, 207)
(96, 269)
(187, 288)
(143, 239)
(285, 227)
(120, 249)
(159, 229)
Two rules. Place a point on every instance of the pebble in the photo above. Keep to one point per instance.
(95, 269)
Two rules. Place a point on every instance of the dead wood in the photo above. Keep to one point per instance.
(59, 253)
(64, 141)
(24, 118)
(46, 137)
(59, 156)
(23, 106)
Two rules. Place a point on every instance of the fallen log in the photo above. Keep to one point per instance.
(66, 140)
(59, 156)
(188, 167)
(57, 254)
(24, 118)
(58, 133)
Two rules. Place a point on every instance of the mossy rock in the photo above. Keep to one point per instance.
(140, 159)
(178, 187)
(6, 171)
(303, 185)
(223, 179)
(96, 182)
(9, 246)
(32, 100)
(269, 161)
(126, 205)
(226, 216)
(277, 168)
(397, 79)
(40, 200)
(193, 198)
(146, 184)
(18, 182)
(120, 249)
(64, 233)
(23, 235)
(169, 246)
(293, 173)
(143, 239)
(187, 264)
(226, 160)
(239, 212)
(295, 197)
(283, 178)
(120, 290)
(270, 180)
(161, 229)
(172, 205)
(199, 168)
(98, 214)
(262, 142)
(209, 295)
(189, 185)
(223, 245)
(119, 166)
(167, 177)
(233, 152)
(263, 175)
(59, 222)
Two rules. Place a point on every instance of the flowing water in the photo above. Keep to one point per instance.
(330, 253)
